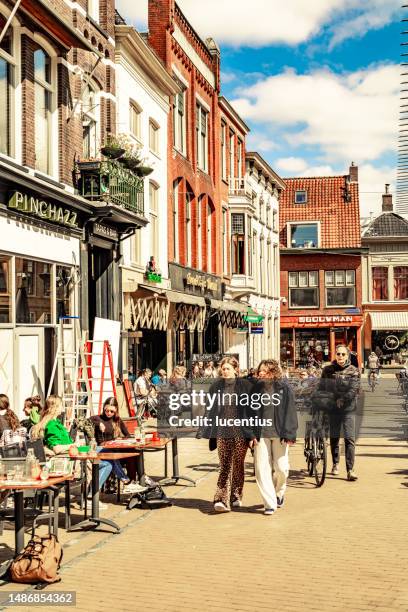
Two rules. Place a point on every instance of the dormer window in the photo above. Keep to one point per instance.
(301, 196)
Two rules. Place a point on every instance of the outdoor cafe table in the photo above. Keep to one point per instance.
(94, 521)
(150, 446)
(18, 492)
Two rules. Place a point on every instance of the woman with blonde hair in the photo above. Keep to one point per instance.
(271, 442)
(231, 441)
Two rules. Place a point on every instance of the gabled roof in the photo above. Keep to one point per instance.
(387, 224)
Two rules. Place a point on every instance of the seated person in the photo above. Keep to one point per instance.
(56, 437)
(109, 426)
(11, 430)
(32, 409)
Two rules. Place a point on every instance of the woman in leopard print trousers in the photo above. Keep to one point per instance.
(232, 442)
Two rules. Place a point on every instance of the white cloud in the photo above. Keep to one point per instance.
(348, 117)
(257, 141)
(227, 77)
(265, 22)
(291, 164)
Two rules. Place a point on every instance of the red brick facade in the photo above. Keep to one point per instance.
(201, 187)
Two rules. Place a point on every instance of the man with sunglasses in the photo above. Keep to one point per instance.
(343, 380)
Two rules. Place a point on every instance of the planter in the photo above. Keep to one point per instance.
(153, 277)
(143, 170)
(112, 152)
(130, 163)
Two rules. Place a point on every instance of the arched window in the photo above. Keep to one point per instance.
(188, 204)
(8, 62)
(176, 193)
(43, 103)
(90, 114)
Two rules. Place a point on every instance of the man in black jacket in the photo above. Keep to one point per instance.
(272, 435)
(343, 380)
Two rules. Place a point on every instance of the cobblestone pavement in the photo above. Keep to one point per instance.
(343, 546)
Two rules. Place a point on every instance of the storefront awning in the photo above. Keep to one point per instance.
(184, 298)
(231, 306)
(389, 321)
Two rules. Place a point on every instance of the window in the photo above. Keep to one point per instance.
(275, 220)
(64, 291)
(93, 9)
(89, 124)
(176, 188)
(239, 158)
(154, 131)
(224, 241)
(202, 137)
(5, 289)
(135, 114)
(238, 243)
(300, 197)
(7, 87)
(261, 263)
(303, 235)
(249, 236)
(223, 151)
(33, 291)
(380, 282)
(232, 154)
(340, 287)
(179, 122)
(209, 238)
(188, 237)
(136, 244)
(199, 233)
(43, 92)
(154, 222)
(401, 283)
(304, 289)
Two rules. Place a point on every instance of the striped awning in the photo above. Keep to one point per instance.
(389, 321)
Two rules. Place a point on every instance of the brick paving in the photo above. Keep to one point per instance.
(339, 547)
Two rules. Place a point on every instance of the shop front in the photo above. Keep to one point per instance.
(386, 333)
(41, 229)
(313, 339)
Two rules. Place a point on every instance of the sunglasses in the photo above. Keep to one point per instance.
(110, 410)
(342, 354)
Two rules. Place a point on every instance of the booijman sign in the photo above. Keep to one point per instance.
(327, 319)
(43, 210)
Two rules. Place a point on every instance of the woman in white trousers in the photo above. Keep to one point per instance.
(271, 443)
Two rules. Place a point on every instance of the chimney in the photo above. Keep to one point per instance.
(353, 173)
(387, 200)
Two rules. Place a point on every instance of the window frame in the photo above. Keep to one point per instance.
(299, 191)
(339, 280)
(387, 283)
(237, 239)
(14, 61)
(180, 120)
(52, 119)
(154, 219)
(202, 124)
(135, 108)
(95, 118)
(296, 284)
(291, 224)
(154, 128)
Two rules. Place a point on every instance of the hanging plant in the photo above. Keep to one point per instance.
(114, 146)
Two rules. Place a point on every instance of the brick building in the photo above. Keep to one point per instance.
(60, 223)
(198, 261)
(321, 275)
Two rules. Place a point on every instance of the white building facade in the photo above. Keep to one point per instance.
(254, 213)
(144, 89)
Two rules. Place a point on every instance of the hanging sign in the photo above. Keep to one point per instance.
(30, 205)
(391, 343)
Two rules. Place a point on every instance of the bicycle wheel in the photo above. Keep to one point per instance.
(320, 460)
(308, 451)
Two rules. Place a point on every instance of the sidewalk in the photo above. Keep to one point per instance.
(339, 547)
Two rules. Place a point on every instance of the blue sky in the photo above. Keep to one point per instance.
(317, 81)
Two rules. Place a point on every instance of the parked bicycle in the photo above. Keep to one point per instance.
(315, 450)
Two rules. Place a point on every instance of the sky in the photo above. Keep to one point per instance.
(317, 81)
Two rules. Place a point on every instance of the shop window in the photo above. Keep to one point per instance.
(238, 243)
(300, 197)
(304, 289)
(202, 137)
(33, 291)
(64, 282)
(380, 282)
(340, 288)
(43, 94)
(5, 289)
(401, 283)
(7, 88)
(154, 132)
(90, 142)
(303, 235)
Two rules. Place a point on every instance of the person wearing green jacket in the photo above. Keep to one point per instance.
(32, 409)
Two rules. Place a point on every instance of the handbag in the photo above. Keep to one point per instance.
(40, 561)
(152, 497)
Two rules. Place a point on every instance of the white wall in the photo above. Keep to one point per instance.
(131, 85)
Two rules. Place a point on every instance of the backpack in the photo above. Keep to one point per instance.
(38, 562)
(152, 497)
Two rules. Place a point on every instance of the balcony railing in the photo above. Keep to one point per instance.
(109, 181)
(239, 187)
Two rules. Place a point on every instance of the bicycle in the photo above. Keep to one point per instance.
(315, 449)
(373, 379)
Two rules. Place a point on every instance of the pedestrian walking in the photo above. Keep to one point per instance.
(231, 441)
(271, 442)
(342, 379)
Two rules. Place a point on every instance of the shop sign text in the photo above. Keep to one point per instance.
(198, 280)
(43, 210)
(327, 319)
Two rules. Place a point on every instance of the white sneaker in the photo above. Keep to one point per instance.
(269, 511)
(220, 507)
(132, 488)
(237, 503)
